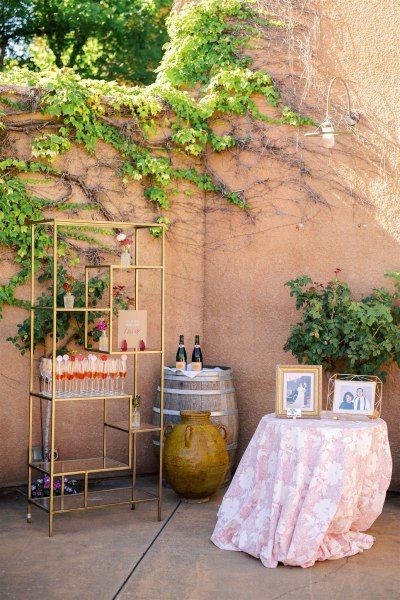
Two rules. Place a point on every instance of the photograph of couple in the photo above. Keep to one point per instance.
(356, 397)
(298, 391)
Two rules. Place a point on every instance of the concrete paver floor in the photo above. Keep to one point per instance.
(121, 554)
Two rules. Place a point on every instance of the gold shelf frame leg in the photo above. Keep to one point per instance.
(32, 312)
(160, 472)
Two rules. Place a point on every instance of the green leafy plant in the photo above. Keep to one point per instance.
(341, 333)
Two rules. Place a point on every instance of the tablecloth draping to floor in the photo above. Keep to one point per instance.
(305, 489)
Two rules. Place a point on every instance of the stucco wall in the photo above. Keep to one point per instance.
(225, 272)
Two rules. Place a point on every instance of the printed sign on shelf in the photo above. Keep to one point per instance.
(132, 327)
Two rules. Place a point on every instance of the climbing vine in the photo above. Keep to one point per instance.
(205, 73)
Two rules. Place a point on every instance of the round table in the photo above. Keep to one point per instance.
(305, 489)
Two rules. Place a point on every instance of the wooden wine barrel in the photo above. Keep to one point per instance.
(209, 391)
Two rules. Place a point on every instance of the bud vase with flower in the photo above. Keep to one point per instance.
(68, 286)
(135, 411)
(125, 244)
(103, 341)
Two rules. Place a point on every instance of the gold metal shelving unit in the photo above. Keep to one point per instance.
(55, 505)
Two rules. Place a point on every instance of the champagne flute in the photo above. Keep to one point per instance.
(69, 373)
(65, 370)
(42, 387)
(92, 372)
(103, 372)
(122, 370)
(80, 374)
(59, 375)
(112, 371)
(48, 374)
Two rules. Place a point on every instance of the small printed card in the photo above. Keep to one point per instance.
(132, 327)
(293, 412)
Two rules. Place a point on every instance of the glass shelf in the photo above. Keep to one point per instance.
(96, 499)
(96, 396)
(81, 466)
(124, 426)
(99, 309)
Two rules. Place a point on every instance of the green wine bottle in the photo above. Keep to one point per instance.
(197, 357)
(181, 358)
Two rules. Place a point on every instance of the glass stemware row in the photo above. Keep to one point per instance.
(87, 377)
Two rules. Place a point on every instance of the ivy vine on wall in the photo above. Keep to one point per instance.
(205, 73)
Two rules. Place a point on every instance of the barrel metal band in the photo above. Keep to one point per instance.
(214, 413)
(185, 379)
(197, 392)
(228, 446)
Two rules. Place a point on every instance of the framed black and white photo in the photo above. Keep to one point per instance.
(298, 391)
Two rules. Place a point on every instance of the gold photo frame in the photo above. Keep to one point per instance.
(354, 396)
(298, 387)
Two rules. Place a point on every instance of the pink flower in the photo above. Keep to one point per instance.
(102, 325)
(121, 237)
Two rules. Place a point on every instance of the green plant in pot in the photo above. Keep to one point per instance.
(343, 334)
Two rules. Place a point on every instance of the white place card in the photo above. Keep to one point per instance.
(293, 412)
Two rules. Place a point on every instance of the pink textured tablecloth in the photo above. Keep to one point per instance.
(305, 489)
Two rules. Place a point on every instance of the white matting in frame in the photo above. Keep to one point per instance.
(299, 387)
(354, 396)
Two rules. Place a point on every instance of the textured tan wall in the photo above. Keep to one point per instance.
(248, 309)
(225, 273)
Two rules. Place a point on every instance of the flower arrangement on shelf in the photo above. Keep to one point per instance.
(103, 340)
(101, 325)
(41, 487)
(124, 242)
(69, 284)
(136, 400)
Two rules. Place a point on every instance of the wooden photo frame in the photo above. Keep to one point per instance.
(354, 396)
(298, 387)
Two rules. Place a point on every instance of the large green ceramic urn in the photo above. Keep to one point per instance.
(195, 456)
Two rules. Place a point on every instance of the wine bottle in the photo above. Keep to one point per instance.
(197, 357)
(181, 358)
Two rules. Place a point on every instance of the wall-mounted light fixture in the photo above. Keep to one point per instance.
(327, 129)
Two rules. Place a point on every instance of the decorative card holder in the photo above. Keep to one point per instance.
(132, 328)
(354, 396)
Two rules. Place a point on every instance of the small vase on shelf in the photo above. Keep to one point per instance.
(69, 300)
(125, 258)
(135, 412)
(103, 341)
(135, 418)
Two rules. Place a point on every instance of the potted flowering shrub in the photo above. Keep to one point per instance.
(41, 487)
(344, 334)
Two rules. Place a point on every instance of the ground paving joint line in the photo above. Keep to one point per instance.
(115, 597)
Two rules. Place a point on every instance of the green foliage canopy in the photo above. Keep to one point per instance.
(105, 39)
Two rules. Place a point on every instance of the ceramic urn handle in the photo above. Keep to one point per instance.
(222, 428)
(188, 432)
(169, 426)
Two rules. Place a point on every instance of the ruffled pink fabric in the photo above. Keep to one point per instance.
(305, 490)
